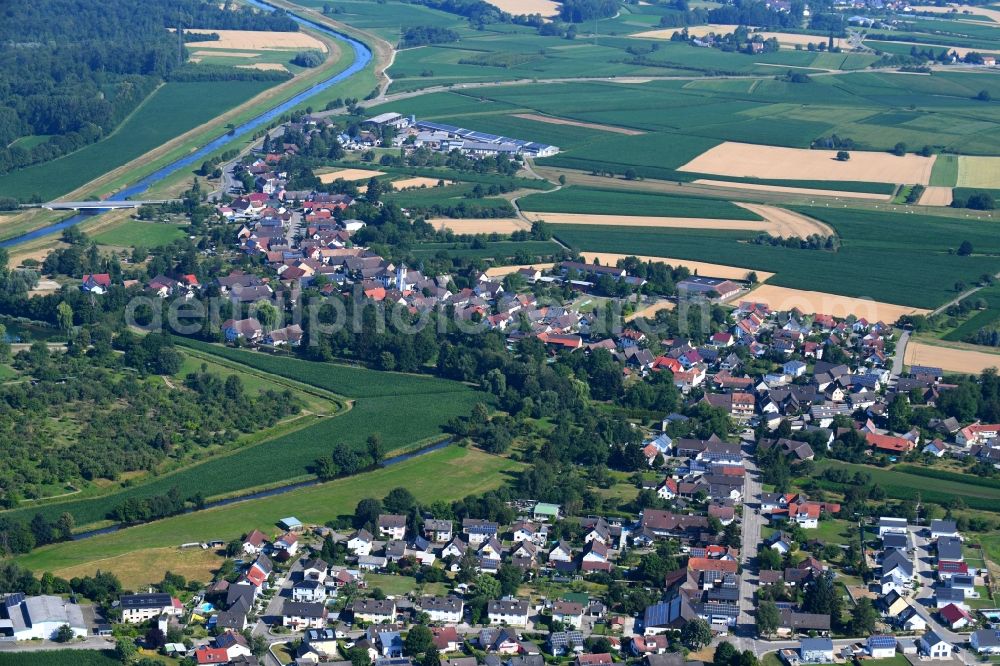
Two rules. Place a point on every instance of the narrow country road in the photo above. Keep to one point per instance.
(899, 356)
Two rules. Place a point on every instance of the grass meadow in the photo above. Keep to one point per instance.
(134, 233)
(446, 475)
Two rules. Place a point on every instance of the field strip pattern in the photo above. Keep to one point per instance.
(476, 225)
(777, 221)
(703, 268)
(578, 123)
(760, 187)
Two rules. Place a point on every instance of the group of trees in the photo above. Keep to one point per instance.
(977, 200)
(811, 242)
(422, 35)
(74, 70)
(119, 423)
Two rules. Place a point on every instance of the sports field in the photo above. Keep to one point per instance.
(468, 471)
(774, 162)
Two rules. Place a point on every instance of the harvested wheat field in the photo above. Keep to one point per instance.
(648, 221)
(777, 221)
(650, 310)
(546, 8)
(702, 268)
(977, 171)
(951, 359)
(347, 174)
(936, 196)
(747, 160)
(500, 271)
(259, 40)
(418, 181)
(784, 38)
(782, 222)
(806, 191)
(959, 9)
(817, 302)
(577, 123)
(265, 66)
(477, 225)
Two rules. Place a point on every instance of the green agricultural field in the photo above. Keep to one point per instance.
(898, 484)
(60, 658)
(576, 199)
(451, 196)
(172, 110)
(384, 21)
(945, 172)
(979, 172)
(133, 233)
(911, 253)
(419, 406)
(468, 471)
(512, 252)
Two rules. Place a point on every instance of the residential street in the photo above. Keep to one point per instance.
(752, 523)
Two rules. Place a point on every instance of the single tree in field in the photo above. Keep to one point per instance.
(965, 249)
(843, 155)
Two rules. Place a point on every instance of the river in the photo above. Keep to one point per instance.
(362, 56)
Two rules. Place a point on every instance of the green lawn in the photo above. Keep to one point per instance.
(834, 531)
(172, 110)
(133, 233)
(446, 475)
(402, 585)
